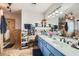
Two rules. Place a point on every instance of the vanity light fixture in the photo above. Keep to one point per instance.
(53, 13)
(56, 11)
(61, 12)
(49, 15)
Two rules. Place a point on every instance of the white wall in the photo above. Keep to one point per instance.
(31, 18)
(53, 20)
(18, 21)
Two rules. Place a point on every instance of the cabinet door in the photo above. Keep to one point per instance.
(44, 42)
(46, 52)
(11, 27)
(54, 51)
(40, 43)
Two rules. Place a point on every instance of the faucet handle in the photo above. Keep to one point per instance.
(60, 39)
(68, 42)
(54, 38)
(64, 40)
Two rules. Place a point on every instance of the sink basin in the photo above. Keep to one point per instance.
(68, 41)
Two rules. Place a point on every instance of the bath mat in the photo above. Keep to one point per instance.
(9, 46)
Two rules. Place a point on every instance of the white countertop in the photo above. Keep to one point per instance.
(60, 46)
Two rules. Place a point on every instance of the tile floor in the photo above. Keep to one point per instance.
(16, 52)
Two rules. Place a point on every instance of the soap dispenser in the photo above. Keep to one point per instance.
(78, 42)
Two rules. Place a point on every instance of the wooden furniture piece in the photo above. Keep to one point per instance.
(11, 27)
(31, 40)
(18, 38)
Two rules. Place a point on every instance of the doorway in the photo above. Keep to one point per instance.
(10, 33)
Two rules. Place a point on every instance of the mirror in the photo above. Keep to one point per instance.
(70, 21)
(0, 25)
(67, 24)
(70, 25)
(78, 25)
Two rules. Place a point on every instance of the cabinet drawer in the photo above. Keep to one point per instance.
(54, 51)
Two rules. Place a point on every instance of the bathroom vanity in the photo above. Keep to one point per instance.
(54, 46)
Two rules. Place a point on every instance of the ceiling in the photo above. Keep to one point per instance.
(36, 8)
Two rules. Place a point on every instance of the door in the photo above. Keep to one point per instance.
(11, 27)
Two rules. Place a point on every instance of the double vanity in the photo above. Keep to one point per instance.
(57, 46)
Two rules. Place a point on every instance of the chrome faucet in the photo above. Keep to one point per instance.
(54, 38)
(62, 39)
(68, 42)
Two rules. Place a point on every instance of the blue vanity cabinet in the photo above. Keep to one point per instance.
(47, 49)
(54, 50)
(40, 43)
(46, 52)
(43, 47)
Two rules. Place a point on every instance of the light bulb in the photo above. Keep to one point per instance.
(49, 15)
(53, 13)
(61, 12)
(56, 11)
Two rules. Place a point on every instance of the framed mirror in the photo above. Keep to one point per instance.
(0, 25)
(70, 25)
(78, 25)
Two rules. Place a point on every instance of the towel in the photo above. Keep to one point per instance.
(7, 34)
(3, 24)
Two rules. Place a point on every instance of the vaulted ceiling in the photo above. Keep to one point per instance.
(37, 8)
(30, 7)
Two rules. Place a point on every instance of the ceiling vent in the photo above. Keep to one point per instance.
(34, 3)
